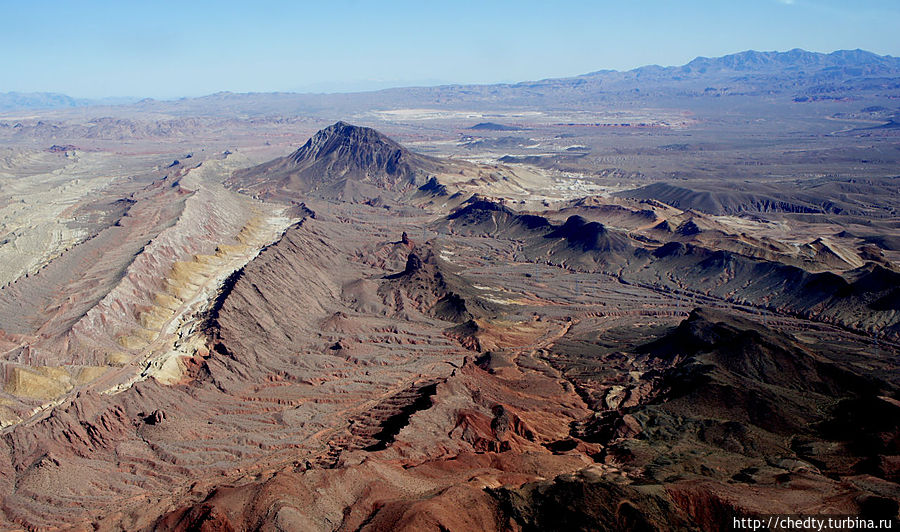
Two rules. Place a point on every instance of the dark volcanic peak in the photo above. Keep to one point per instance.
(766, 385)
(344, 150)
(663, 226)
(688, 228)
(589, 236)
(434, 187)
(744, 348)
(493, 126)
(477, 204)
(484, 217)
(341, 161)
(354, 146)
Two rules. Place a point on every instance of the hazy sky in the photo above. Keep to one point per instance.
(167, 49)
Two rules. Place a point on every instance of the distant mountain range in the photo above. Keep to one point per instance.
(13, 101)
(10, 101)
(796, 60)
(803, 75)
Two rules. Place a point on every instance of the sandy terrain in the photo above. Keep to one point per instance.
(37, 219)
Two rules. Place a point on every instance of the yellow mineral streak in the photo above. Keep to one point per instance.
(38, 382)
(118, 358)
(86, 374)
(166, 330)
(155, 318)
(186, 288)
(49, 382)
(167, 301)
(131, 342)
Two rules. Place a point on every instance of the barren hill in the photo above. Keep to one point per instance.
(341, 161)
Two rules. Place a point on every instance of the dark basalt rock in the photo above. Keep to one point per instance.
(688, 228)
(155, 418)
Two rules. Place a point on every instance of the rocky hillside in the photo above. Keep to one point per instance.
(341, 161)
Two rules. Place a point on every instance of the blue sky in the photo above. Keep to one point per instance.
(168, 49)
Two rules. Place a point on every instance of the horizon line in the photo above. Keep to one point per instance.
(91, 101)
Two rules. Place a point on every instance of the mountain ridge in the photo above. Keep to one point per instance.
(750, 60)
(828, 66)
(44, 100)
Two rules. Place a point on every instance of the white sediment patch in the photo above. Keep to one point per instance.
(168, 329)
(446, 255)
(181, 336)
(443, 114)
(33, 206)
(499, 300)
